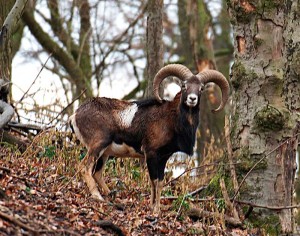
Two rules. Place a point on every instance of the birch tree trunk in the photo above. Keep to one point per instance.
(265, 116)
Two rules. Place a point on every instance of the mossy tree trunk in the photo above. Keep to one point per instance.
(265, 116)
(6, 44)
(198, 54)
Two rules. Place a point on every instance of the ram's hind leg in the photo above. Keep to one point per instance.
(87, 169)
(99, 169)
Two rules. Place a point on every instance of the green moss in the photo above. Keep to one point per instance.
(268, 5)
(272, 4)
(247, 161)
(258, 42)
(242, 15)
(239, 72)
(213, 188)
(269, 119)
(270, 224)
(235, 119)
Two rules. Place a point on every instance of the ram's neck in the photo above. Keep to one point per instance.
(188, 121)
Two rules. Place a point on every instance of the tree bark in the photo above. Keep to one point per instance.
(11, 11)
(265, 116)
(154, 45)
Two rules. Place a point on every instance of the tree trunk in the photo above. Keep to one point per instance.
(10, 14)
(265, 116)
(154, 45)
(6, 47)
(11, 11)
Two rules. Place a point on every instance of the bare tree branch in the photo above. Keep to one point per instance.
(62, 56)
(7, 113)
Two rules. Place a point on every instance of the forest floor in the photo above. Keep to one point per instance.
(42, 194)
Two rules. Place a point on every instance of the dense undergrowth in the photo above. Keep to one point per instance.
(42, 194)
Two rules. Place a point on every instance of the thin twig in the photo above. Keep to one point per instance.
(191, 169)
(199, 167)
(193, 193)
(33, 141)
(190, 194)
(267, 207)
(259, 161)
(67, 106)
(179, 210)
(43, 66)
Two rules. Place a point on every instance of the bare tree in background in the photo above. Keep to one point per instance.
(195, 22)
(87, 47)
(154, 45)
(265, 116)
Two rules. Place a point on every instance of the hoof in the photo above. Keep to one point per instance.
(156, 212)
(97, 197)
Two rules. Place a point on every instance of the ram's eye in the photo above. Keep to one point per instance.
(201, 88)
(183, 86)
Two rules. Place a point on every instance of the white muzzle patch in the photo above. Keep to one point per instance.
(192, 100)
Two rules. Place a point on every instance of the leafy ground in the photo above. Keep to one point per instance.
(42, 194)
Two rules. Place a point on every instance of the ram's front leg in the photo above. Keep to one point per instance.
(156, 187)
(156, 168)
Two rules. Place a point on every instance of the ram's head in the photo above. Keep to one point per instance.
(192, 85)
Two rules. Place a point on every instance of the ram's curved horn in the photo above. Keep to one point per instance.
(220, 80)
(180, 71)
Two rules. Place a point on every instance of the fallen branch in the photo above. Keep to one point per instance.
(8, 138)
(108, 224)
(275, 208)
(5, 169)
(196, 213)
(193, 193)
(15, 221)
(6, 113)
(228, 203)
(25, 127)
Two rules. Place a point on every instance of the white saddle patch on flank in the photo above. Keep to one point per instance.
(127, 115)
